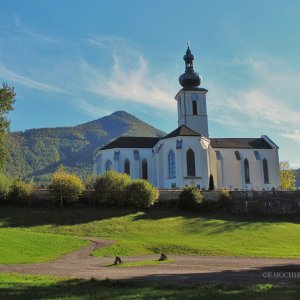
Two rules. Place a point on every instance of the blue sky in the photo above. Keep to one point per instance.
(72, 61)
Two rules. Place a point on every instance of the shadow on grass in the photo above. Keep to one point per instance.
(157, 213)
(15, 216)
(157, 287)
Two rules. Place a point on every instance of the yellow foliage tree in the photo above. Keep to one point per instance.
(287, 176)
(66, 187)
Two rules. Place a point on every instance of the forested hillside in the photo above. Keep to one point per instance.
(36, 153)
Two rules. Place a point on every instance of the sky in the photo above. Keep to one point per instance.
(73, 61)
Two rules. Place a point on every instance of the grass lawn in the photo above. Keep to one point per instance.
(156, 230)
(13, 287)
(19, 246)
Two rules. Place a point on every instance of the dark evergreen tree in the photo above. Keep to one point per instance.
(211, 183)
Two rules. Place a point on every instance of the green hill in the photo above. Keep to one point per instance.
(36, 153)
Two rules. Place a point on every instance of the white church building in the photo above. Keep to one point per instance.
(187, 155)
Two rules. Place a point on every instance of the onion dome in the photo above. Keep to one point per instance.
(189, 78)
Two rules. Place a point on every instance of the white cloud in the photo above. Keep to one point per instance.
(131, 83)
(257, 105)
(92, 109)
(15, 28)
(293, 135)
(272, 100)
(7, 74)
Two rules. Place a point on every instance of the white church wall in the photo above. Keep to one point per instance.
(158, 164)
(201, 163)
(119, 165)
(97, 164)
(231, 172)
(213, 166)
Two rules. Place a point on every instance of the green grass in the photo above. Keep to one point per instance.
(19, 246)
(140, 263)
(157, 230)
(23, 287)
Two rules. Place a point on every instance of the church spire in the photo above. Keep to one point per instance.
(190, 78)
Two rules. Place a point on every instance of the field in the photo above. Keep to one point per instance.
(13, 287)
(19, 246)
(142, 232)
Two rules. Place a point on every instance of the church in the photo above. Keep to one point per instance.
(187, 155)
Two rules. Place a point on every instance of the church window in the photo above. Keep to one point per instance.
(256, 154)
(172, 164)
(266, 171)
(195, 108)
(116, 155)
(179, 144)
(108, 166)
(237, 155)
(127, 167)
(190, 162)
(144, 169)
(136, 154)
(246, 171)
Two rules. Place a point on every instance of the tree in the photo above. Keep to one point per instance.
(287, 176)
(7, 99)
(67, 187)
(211, 183)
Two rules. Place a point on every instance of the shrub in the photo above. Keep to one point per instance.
(66, 187)
(190, 198)
(224, 202)
(5, 188)
(142, 194)
(111, 188)
(20, 192)
(211, 183)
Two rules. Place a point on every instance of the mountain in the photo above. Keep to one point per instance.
(37, 153)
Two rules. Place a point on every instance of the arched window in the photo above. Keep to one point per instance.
(246, 171)
(172, 165)
(108, 166)
(195, 112)
(266, 171)
(144, 169)
(190, 163)
(127, 167)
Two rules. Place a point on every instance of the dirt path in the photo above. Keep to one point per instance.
(202, 269)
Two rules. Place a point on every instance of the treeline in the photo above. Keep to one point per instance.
(111, 188)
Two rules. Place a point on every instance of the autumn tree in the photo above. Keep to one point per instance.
(7, 99)
(287, 176)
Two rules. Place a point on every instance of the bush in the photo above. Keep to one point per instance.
(211, 183)
(190, 198)
(142, 194)
(224, 202)
(111, 188)
(66, 187)
(20, 192)
(5, 188)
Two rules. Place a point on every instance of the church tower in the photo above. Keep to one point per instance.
(191, 99)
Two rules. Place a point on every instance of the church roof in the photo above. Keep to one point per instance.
(182, 131)
(132, 142)
(241, 143)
